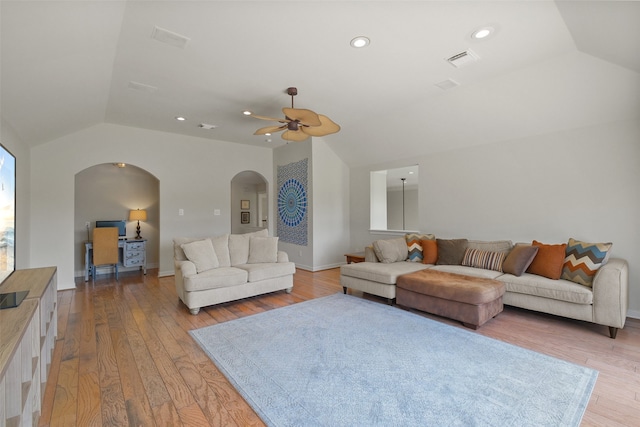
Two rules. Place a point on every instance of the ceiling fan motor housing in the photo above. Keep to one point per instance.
(292, 125)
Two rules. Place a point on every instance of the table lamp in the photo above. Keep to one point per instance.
(138, 215)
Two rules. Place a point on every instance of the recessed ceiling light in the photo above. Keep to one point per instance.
(246, 112)
(180, 119)
(360, 41)
(482, 33)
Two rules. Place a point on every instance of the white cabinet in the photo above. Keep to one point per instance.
(27, 337)
(134, 254)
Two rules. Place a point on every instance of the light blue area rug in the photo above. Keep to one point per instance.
(345, 361)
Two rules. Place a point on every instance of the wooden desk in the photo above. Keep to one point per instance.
(133, 253)
(355, 257)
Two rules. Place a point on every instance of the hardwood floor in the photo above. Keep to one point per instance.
(124, 356)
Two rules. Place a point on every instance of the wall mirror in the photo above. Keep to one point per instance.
(394, 199)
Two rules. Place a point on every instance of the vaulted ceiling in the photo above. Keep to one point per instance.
(547, 67)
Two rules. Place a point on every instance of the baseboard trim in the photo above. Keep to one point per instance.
(633, 314)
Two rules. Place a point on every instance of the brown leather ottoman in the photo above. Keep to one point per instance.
(471, 300)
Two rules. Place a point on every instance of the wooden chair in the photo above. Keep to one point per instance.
(105, 249)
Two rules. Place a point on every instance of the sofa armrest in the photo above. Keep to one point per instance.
(370, 255)
(283, 256)
(611, 293)
(186, 268)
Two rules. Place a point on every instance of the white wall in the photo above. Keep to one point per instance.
(328, 234)
(330, 184)
(582, 183)
(194, 175)
(395, 200)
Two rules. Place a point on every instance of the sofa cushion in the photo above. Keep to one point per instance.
(379, 272)
(562, 290)
(583, 260)
(483, 259)
(391, 250)
(221, 246)
(429, 251)
(451, 251)
(414, 245)
(490, 245)
(263, 249)
(257, 272)
(178, 252)
(468, 271)
(239, 246)
(519, 259)
(201, 253)
(548, 261)
(221, 277)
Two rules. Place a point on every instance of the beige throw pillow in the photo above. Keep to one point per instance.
(391, 250)
(239, 246)
(201, 253)
(221, 247)
(263, 249)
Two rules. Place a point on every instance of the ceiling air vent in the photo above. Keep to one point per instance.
(447, 84)
(463, 58)
(206, 126)
(169, 37)
(141, 87)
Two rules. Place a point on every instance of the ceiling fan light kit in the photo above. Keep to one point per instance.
(298, 123)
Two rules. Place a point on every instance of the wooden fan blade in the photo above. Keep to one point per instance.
(269, 129)
(304, 116)
(294, 135)
(327, 127)
(269, 118)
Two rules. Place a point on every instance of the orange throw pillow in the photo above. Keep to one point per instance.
(430, 251)
(548, 261)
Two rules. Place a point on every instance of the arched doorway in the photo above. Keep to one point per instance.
(108, 192)
(249, 202)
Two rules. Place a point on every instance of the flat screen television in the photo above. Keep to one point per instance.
(7, 213)
(121, 225)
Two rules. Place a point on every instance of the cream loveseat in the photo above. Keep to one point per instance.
(213, 270)
(604, 301)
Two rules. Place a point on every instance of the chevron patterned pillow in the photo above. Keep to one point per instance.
(414, 245)
(583, 261)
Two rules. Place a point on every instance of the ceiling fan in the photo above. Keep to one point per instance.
(299, 123)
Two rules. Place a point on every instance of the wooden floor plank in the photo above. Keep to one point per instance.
(111, 397)
(65, 404)
(89, 406)
(124, 355)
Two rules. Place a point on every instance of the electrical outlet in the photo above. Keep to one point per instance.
(216, 212)
(87, 225)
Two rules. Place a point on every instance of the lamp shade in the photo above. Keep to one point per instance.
(138, 215)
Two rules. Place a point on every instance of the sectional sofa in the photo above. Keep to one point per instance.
(597, 292)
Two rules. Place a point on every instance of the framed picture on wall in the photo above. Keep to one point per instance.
(244, 204)
(245, 217)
